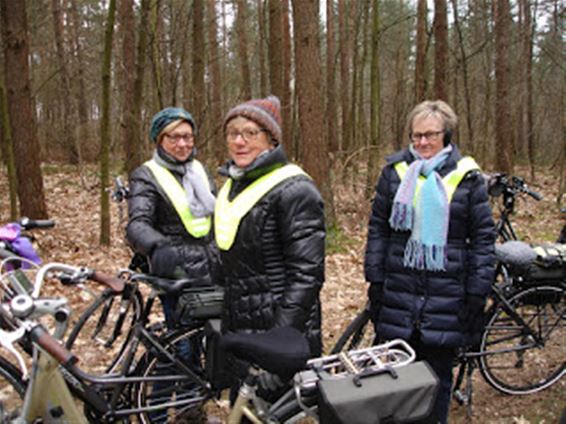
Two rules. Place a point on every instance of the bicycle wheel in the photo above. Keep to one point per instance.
(103, 330)
(184, 396)
(12, 390)
(512, 360)
(360, 333)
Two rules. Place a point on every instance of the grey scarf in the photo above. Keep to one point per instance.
(201, 200)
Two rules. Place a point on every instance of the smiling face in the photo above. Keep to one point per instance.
(427, 134)
(246, 140)
(179, 141)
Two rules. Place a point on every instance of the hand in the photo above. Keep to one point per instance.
(270, 382)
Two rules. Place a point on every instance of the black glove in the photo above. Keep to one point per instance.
(472, 317)
(165, 261)
(375, 295)
(270, 382)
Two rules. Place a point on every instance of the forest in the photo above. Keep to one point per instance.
(81, 79)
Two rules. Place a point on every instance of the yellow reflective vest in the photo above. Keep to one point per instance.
(196, 227)
(450, 180)
(228, 214)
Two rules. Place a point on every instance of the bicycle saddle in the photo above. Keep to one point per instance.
(282, 351)
(515, 253)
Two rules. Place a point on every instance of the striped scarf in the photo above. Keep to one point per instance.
(425, 212)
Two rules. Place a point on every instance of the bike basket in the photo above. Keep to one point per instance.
(199, 303)
(403, 395)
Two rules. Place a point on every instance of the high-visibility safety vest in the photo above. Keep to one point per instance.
(228, 214)
(196, 227)
(450, 180)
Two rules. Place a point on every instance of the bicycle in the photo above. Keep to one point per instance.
(152, 355)
(55, 377)
(526, 319)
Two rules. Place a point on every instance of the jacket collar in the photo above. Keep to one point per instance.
(405, 155)
(261, 166)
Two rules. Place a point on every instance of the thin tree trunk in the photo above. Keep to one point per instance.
(243, 49)
(440, 50)
(420, 61)
(504, 146)
(263, 80)
(331, 127)
(276, 47)
(286, 103)
(105, 127)
(155, 62)
(343, 30)
(309, 90)
(528, 131)
(216, 104)
(20, 109)
(375, 84)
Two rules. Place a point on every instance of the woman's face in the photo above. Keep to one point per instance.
(427, 135)
(246, 140)
(179, 142)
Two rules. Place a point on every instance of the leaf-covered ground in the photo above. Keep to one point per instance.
(74, 203)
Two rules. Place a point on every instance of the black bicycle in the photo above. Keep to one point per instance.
(522, 347)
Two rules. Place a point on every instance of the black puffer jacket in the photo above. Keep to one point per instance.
(274, 271)
(153, 222)
(427, 301)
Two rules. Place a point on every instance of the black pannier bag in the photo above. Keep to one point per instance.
(216, 364)
(402, 395)
(199, 303)
(550, 263)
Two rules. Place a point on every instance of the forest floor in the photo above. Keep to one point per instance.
(74, 203)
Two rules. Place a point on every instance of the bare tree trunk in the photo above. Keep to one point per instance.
(7, 148)
(216, 104)
(80, 96)
(21, 110)
(309, 91)
(375, 123)
(343, 30)
(260, 5)
(331, 127)
(276, 47)
(130, 144)
(155, 62)
(420, 61)
(286, 100)
(440, 50)
(504, 146)
(241, 26)
(69, 139)
(528, 130)
(105, 133)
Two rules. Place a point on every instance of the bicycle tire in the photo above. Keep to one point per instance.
(358, 334)
(527, 368)
(110, 315)
(12, 391)
(190, 398)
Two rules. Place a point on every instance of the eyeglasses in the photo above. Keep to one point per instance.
(429, 135)
(176, 138)
(248, 134)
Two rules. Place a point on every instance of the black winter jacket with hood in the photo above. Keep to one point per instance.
(274, 271)
(432, 303)
(154, 223)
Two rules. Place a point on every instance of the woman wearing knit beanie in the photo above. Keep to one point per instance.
(170, 207)
(269, 227)
(430, 249)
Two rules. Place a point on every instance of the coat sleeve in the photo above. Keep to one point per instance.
(302, 231)
(481, 263)
(142, 204)
(379, 230)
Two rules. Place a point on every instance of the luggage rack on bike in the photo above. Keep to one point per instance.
(360, 363)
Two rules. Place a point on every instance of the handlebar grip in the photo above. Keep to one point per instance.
(534, 195)
(115, 283)
(29, 224)
(50, 344)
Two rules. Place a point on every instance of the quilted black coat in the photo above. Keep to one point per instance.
(427, 301)
(274, 271)
(153, 222)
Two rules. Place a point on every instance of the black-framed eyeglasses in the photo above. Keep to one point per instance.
(429, 135)
(248, 134)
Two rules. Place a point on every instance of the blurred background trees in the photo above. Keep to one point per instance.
(346, 82)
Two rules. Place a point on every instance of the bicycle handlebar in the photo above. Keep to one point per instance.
(50, 344)
(30, 224)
